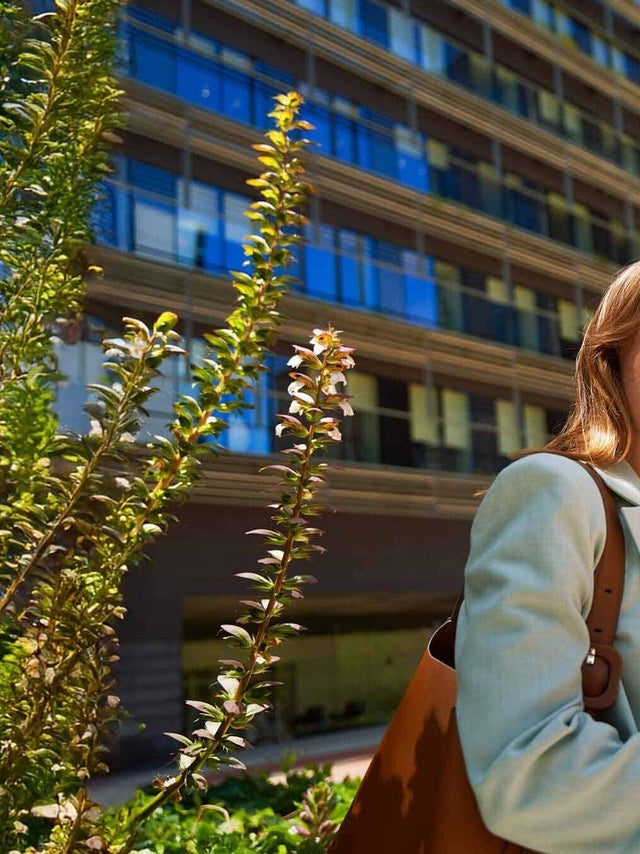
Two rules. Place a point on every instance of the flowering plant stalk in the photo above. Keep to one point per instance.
(243, 691)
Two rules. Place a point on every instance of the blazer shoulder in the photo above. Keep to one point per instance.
(558, 475)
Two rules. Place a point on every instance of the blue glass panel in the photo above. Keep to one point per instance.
(233, 255)
(152, 18)
(236, 95)
(465, 183)
(524, 210)
(103, 216)
(199, 241)
(373, 22)
(632, 68)
(320, 273)
(152, 178)
(345, 139)
(527, 101)
(198, 80)
(457, 65)
(412, 168)
(322, 119)
(421, 293)
(315, 6)
(350, 267)
(152, 61)
(580, 34)
(523, 6)
(547, 339)
(376, 149)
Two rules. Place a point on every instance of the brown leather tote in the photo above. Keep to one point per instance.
(415, 797)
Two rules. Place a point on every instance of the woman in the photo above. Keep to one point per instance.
(545, 774)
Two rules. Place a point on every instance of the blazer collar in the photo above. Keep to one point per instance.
(622, 479)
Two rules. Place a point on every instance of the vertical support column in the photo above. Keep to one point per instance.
(186, 17)
(186, 201)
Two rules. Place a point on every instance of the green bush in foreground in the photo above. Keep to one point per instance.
(252, 813)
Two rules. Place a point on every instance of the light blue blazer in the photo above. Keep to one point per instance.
(545, 774)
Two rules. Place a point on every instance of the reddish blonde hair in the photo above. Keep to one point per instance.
(598, 429)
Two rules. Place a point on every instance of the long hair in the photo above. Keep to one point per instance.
(598, 429)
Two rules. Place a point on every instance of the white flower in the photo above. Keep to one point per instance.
(295, 406)
(295, 386)
(280, 428)
(95, 428)
(337, 377)
(346, 407)
(295, 361)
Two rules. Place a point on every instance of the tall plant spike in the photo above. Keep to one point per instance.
(243, 692)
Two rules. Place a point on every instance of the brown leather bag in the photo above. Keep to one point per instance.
(415, 797)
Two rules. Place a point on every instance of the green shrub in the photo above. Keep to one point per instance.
(251, 813)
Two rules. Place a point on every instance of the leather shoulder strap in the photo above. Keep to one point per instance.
(609, 573)
(602, 668)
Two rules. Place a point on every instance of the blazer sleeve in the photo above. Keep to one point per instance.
(545, 774)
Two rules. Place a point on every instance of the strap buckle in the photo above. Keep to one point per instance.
(601, 673)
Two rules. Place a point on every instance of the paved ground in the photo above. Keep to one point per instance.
(348, 751)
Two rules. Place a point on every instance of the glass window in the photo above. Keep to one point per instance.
(600, 51)
(580, 34)
(456, 421)
(457, 65)
(364, 428)
(549, 109)
(582, 227)
(265, 91)
(316, 6)
(402, 32)
(618, 60)
(568, 317)
(421, 294)
(632, 68)
(236, 85)
(432, 50)
(373, 22)
(535, 426)
(320, 263)
(450, 308)
(411, 161)
(423, 414)
(343, 13)
(391, 281)
(508, 427)
(345, 130)
(235, 229)
(317, 111)
(376, 148)
(151, 178)
(572, 122)
(527, 319)
(563, 25)
(152, 61)
(199, 80)
(350, 268)
(542, 13)
(154, 232)
(506, 89)
(199, 227)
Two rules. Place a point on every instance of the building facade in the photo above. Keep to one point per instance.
(478, 177)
